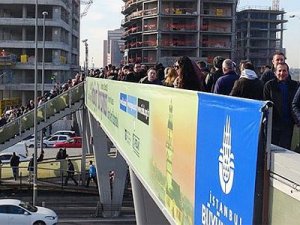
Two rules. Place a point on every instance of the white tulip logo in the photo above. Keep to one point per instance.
(226, 164)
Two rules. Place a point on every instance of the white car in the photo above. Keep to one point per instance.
(48, 142)
(5, 157)
(16, 212)
(71, 133)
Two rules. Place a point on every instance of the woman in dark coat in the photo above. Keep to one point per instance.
(189, 75)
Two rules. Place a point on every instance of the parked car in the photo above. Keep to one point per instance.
(16, 212)
(48, 142)
(74, 142)
(29, 142)
(5, 157)
(71, 133)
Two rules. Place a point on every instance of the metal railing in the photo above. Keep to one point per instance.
(44, 112)
(50, 171)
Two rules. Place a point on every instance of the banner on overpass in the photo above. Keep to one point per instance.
(226, 159)
(173, 140)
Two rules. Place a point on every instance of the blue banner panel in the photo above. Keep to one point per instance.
(226, 158)
(132, 105)
(123, 102)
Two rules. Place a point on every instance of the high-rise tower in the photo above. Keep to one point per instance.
(160, 31)
(17, 28)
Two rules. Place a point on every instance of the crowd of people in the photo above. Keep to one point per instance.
(225, 77)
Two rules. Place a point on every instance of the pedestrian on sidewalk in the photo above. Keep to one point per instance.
(41, 157)
(70, 172)
(30, 168)
(92, 175)
(61, 154)
(14, 163)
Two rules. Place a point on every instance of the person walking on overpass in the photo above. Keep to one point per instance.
(225, 83)
(278, 57)
(281, 91)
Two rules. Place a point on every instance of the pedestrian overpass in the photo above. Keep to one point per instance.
(194, 158)
(54, 109)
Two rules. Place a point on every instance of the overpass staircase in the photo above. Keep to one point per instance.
(54, 109)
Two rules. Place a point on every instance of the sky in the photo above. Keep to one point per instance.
(105, 15)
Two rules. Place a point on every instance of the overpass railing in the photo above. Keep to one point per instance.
(44, 112)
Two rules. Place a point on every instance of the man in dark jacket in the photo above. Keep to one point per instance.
(281, 91)
(14, 163)
(70, 173)
(225, 83)
(151, 77)
(248, 85)
(278, 57)
(30, 169)
(217, 72)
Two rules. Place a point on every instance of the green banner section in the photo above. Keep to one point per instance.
(154, 127)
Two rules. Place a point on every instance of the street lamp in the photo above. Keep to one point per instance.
(43, 56)
(86, 56)
(34, 197)
(43, 73)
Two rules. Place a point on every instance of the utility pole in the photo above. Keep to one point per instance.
(34, 197)
(84, 150)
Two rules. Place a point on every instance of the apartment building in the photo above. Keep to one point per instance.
(114, 47)
(160, 31)
(17, 43)
(259, 35)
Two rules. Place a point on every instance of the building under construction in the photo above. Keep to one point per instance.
(259, 35)
(17, 44)
(160, 31)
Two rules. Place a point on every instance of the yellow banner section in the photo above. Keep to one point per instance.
(155, 129)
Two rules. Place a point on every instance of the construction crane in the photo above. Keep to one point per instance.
(87, 4)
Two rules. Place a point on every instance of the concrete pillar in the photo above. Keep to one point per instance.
(146, 210)
(85, 132)
(111, 201)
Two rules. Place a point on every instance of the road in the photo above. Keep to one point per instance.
(97, 221)
(49, 152)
